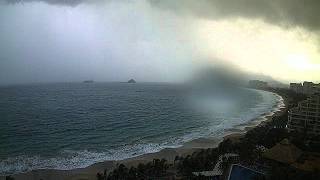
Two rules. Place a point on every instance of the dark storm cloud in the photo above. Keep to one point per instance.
(286, 13)
(57, 2)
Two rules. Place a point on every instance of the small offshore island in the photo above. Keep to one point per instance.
(132, 81)
(88, 81)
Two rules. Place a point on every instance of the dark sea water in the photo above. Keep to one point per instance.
(72, 125)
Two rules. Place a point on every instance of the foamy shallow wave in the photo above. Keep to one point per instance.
(70, 159)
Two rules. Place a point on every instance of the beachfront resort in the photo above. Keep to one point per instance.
(305, 118)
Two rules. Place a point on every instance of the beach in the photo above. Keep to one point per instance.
(89, 173)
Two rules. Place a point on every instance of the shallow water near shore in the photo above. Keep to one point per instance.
(73, 125)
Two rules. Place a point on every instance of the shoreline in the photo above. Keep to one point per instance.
(89, 173)
(260, 121)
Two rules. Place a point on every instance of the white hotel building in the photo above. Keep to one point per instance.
(307, 88)
(306, 117)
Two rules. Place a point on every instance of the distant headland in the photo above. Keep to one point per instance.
(88, 81)
(132, 81)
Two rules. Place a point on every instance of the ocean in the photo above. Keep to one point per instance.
(74, 125)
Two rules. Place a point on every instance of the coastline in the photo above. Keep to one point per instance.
(260, 121)
(89, 173)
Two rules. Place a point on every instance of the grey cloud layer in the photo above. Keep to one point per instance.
(61, 2)
(286, 13)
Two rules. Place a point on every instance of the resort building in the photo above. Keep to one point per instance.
(296, 87)
(217, 171)
(307, 88)
(306, 117)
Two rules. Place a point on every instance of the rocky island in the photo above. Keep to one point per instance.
(88, 81)
(132, 81)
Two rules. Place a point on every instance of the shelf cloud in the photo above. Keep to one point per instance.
(287, 13)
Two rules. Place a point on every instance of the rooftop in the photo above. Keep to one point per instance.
(283, 152)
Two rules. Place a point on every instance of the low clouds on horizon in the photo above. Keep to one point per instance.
(286, 13)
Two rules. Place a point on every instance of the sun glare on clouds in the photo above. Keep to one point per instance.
(299, 62)
(259, 47)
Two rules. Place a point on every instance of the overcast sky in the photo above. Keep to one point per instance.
(156, 40)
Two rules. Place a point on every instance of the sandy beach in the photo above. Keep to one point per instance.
(89, 173)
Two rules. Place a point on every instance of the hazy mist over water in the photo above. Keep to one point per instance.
(112, 42)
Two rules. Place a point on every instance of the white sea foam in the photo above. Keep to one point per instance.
(71, 159)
